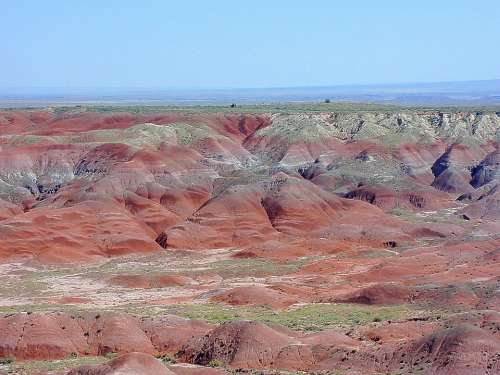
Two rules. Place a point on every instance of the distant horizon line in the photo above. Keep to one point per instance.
(217, 88)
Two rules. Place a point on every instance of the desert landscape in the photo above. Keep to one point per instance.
(263, 239)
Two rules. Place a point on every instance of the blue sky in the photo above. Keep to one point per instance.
(211, 44)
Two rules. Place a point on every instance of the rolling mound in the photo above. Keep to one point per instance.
(133, 363)
(220, 180)
(287, 239)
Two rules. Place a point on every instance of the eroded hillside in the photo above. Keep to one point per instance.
(349, 241)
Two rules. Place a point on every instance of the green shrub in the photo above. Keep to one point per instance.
(166, 359)
(215, 363)
(6, 361)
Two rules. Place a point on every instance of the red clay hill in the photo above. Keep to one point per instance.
(264, 220)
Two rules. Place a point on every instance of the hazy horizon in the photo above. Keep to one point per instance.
(479, 93)
(192, 88)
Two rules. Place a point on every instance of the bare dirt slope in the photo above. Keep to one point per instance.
(353, 242)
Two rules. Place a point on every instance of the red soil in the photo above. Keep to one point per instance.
(84, 232)
(254, 295)
(463, 344)
(132, 363)
(57, 335)
(379, 294)
(213, 183)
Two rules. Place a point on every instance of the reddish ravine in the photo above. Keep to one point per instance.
(104, 214)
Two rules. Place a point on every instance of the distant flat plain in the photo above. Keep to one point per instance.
(455, 94)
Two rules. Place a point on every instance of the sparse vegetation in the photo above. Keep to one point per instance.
(111, 355)
(186, 282)
(6, 361)
(271, 108)
(166, 359)
(257, 267)
(313, 317)
(215, 363)
(35, 367)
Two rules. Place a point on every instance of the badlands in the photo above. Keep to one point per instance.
(325, 239)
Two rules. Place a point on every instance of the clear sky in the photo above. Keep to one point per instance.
(247, 43)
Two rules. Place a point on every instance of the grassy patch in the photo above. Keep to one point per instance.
(313, 317)
(25, 286)
(38, 307)
(193, 265)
